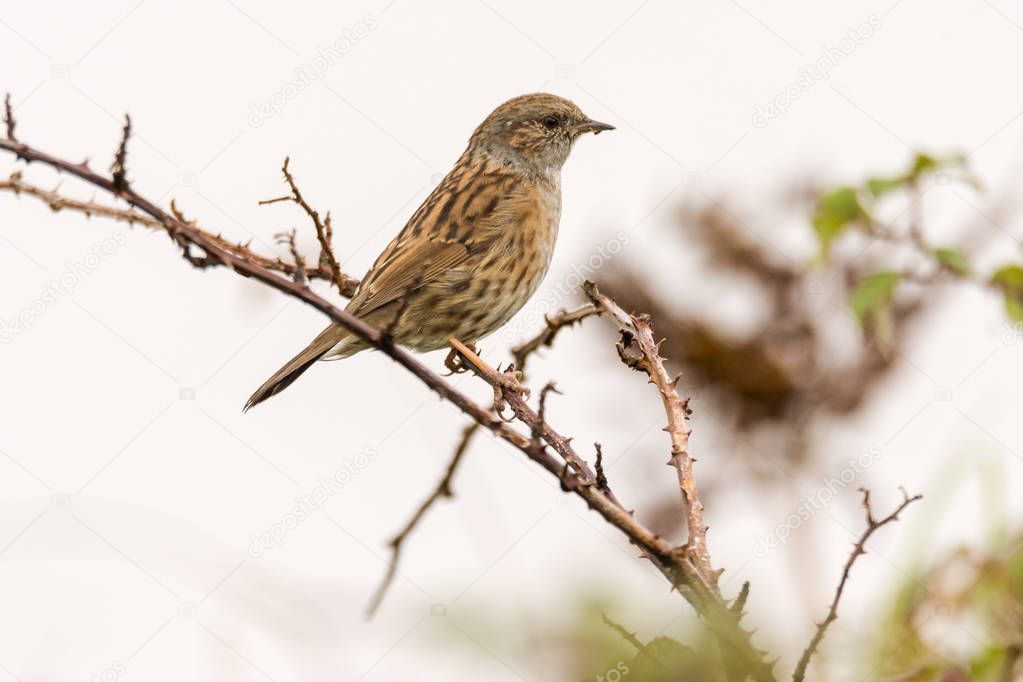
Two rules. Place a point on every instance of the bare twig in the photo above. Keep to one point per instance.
(599, 466)
(324, 229)
(442, 490)
(119, 168)
(57, 202)
(638, 350)
(696, 585)
(537, 430)
(522, 410)
(632, 639)
(325, 235)
(859, 548)
(288, 239)
(9, 122)
(554, 324)
(521, 355)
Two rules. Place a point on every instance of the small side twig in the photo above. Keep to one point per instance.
(119, 168)
(325, 235)
(523, 411)
(538, 428)
(324, 228)
(638, 350)
(599, 466)
(632, 639)
(453, 363)
(873, 524)
(442, 490)
(9, 122)
(58, 202)
(553, 324)
(288, 239)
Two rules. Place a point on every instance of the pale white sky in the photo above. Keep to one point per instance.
(129, 478)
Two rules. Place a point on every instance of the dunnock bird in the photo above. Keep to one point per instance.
(478, 247)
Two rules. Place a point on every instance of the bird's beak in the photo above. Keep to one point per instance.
(591, 126)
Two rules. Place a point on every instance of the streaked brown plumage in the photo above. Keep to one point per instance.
(476, 249)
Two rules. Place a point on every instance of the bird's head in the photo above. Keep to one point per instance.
(534, 132)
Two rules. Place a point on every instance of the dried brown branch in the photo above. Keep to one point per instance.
(537, 430)
(554, 324)
(57, 202)
(521, 355)
(599, 466)
(325, 235)
(324, 228)
(9, 122)
(119, 168)
(508, 393)
(443, 490)
(675, 563)
(288, 239)
(632, 639)
(696, 585)
(640, 351)
(873, 524)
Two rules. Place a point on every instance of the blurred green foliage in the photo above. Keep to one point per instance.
(962, 619)
(851, 208)
(1009, 279)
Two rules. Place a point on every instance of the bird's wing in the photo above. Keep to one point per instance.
(460, 219)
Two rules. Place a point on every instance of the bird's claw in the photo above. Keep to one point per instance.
(454, 363)
(504, 382)
(511, 380)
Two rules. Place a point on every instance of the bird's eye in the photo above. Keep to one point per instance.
(550, 122)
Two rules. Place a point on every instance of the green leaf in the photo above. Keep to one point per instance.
(924, 163)
(1009, 278)
(872, 293)
(871, 301)
(954, 260)
(880, 186)
(836, 210)
(1014, 308)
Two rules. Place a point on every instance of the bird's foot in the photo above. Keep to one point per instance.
(455, 362)
(511, 380)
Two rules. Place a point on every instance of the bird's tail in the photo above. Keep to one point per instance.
(320, 346)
